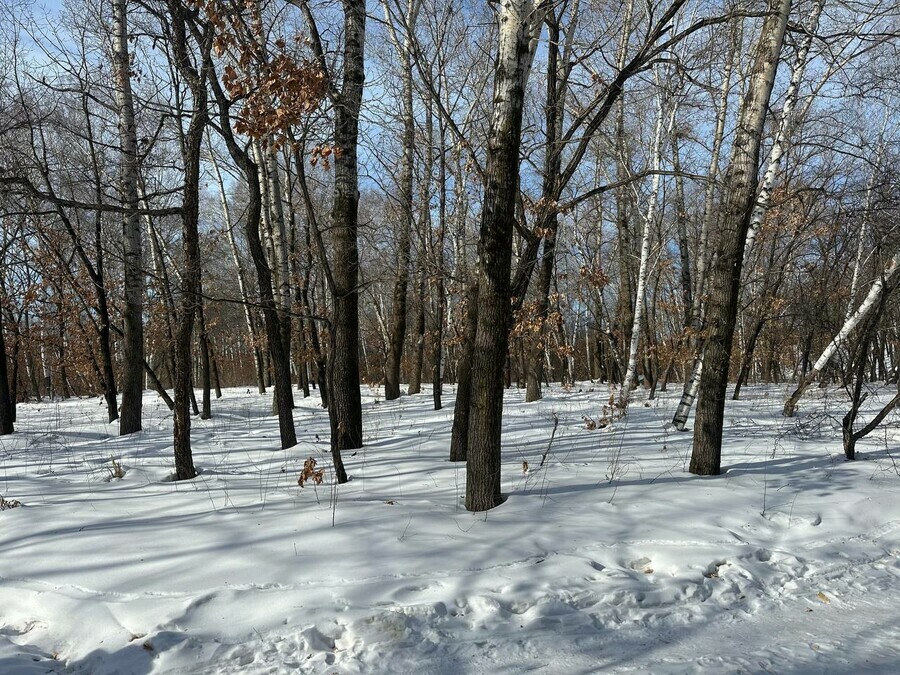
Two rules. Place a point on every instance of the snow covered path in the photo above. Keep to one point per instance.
(610, 558)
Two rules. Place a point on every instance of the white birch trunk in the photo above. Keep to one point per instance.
(782, 136)
(875, 295)
(279, 235)
(628, 382)
(860, 247)
(872, 299)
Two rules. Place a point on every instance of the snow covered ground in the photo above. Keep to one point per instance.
(610, 558)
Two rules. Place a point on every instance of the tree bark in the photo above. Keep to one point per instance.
(279, 357)
(437, 345)
(557, 85)
(6, 404)
(190, 307)
(205, 361)
(132, 314)
(281, 262)
(344, 400)
(692, 382)
(725, 273)
(397, 334)
(459, 436)
(785, 126)
(519, 24)
(96, 272)
(418, 356)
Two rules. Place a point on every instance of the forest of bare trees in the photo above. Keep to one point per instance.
(312, 197)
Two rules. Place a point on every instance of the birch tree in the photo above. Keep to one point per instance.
(133, 319)
(785, 126)
(882, 285)
(725, 273)
(867, 211)
(519, 23)
(643, 268)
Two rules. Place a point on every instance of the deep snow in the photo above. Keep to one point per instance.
(609, 558)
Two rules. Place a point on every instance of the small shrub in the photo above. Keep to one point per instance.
(114, 470)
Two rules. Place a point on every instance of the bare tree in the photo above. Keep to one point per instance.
(520, 23)
(725, 273)
(133, 319)
(402, 42)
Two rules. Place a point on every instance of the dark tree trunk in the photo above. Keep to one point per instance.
(215, 372)
(625, 253)
(397, 334)
(14, 379)
(415, 375)
(344, 401)
(7, 415)
(318, 354)
(106, 360)
(300, 279)
(535, 359)
(518, 25)
(96, 271)
(681, 222)
(190, 308)
(301, 362)
(747, 358)
(557, 82)
(459, 437)
(205, 366)
(437, 354)
(725, 273)
(65, 387)
(856, 400)
(133, 347)
(252, 219)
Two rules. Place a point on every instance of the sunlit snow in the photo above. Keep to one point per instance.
(609, 558)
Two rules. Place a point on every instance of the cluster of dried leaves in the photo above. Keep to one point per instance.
(310, 472)
(276, 86)
(539, 329)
